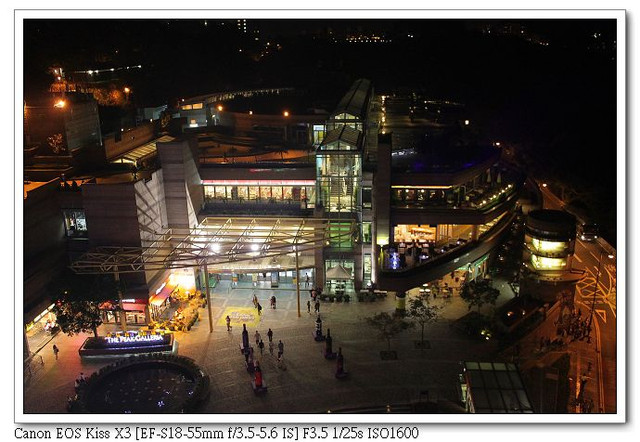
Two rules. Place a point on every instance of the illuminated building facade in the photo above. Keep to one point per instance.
(256, 172)
(550, 237)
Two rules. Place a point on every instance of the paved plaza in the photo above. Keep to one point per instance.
(308, 383)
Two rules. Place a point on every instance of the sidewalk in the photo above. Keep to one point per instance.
(308, 384)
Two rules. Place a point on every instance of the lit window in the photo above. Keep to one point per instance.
(75, 223)
(548, 246)
(197, 106)
(544, 263)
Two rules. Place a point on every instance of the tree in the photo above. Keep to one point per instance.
(479, 292)
(388, 325)
(76, 299)
(422, 313)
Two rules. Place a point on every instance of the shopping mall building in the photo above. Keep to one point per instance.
(260, 184)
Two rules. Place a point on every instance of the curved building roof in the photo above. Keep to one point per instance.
(356, 101)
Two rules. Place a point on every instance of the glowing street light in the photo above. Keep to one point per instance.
(60, 104)
(544, 184)
(466, 122)
(219, 108)
(285, 113)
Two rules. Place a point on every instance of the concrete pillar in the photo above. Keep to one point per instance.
(206, 284)
(298, 282)
(319, 267)
(121, 313)
(357, 269)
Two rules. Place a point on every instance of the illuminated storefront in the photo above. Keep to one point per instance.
(549, 248)
(408, 233)
(41, 329)
(544, 263)
(135, 310)
(261, 191)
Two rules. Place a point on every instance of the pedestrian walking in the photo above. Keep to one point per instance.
(317, 307)
(261, 346)
(255, 300)
(280, 349)
(245, 338)
(270, 335)
(271, 347)
(340, 364)
(273, 302)
(55, 350)
(228, 319)
(259, 309)
(307, 281)
(258, 337)
(309, 306)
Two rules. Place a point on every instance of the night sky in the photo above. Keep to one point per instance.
(545, 86)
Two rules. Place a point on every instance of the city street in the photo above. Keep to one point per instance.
(593, 257)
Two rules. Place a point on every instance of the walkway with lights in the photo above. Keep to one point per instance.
(308, 384)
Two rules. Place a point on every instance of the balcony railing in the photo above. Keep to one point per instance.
(483, 199)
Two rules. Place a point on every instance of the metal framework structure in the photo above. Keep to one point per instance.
(218, 242)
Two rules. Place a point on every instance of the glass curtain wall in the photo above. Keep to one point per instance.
(339, 178)
(261, 193)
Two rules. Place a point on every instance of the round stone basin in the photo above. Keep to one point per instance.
(171, 385)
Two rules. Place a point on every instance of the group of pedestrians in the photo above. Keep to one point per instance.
(314, 298)
(573, 326)
(80, 382)
(316, 306)
(256, 304)
(260, 344)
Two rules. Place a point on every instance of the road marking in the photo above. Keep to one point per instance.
(577, 257)
(602, 314)
(594, 256)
